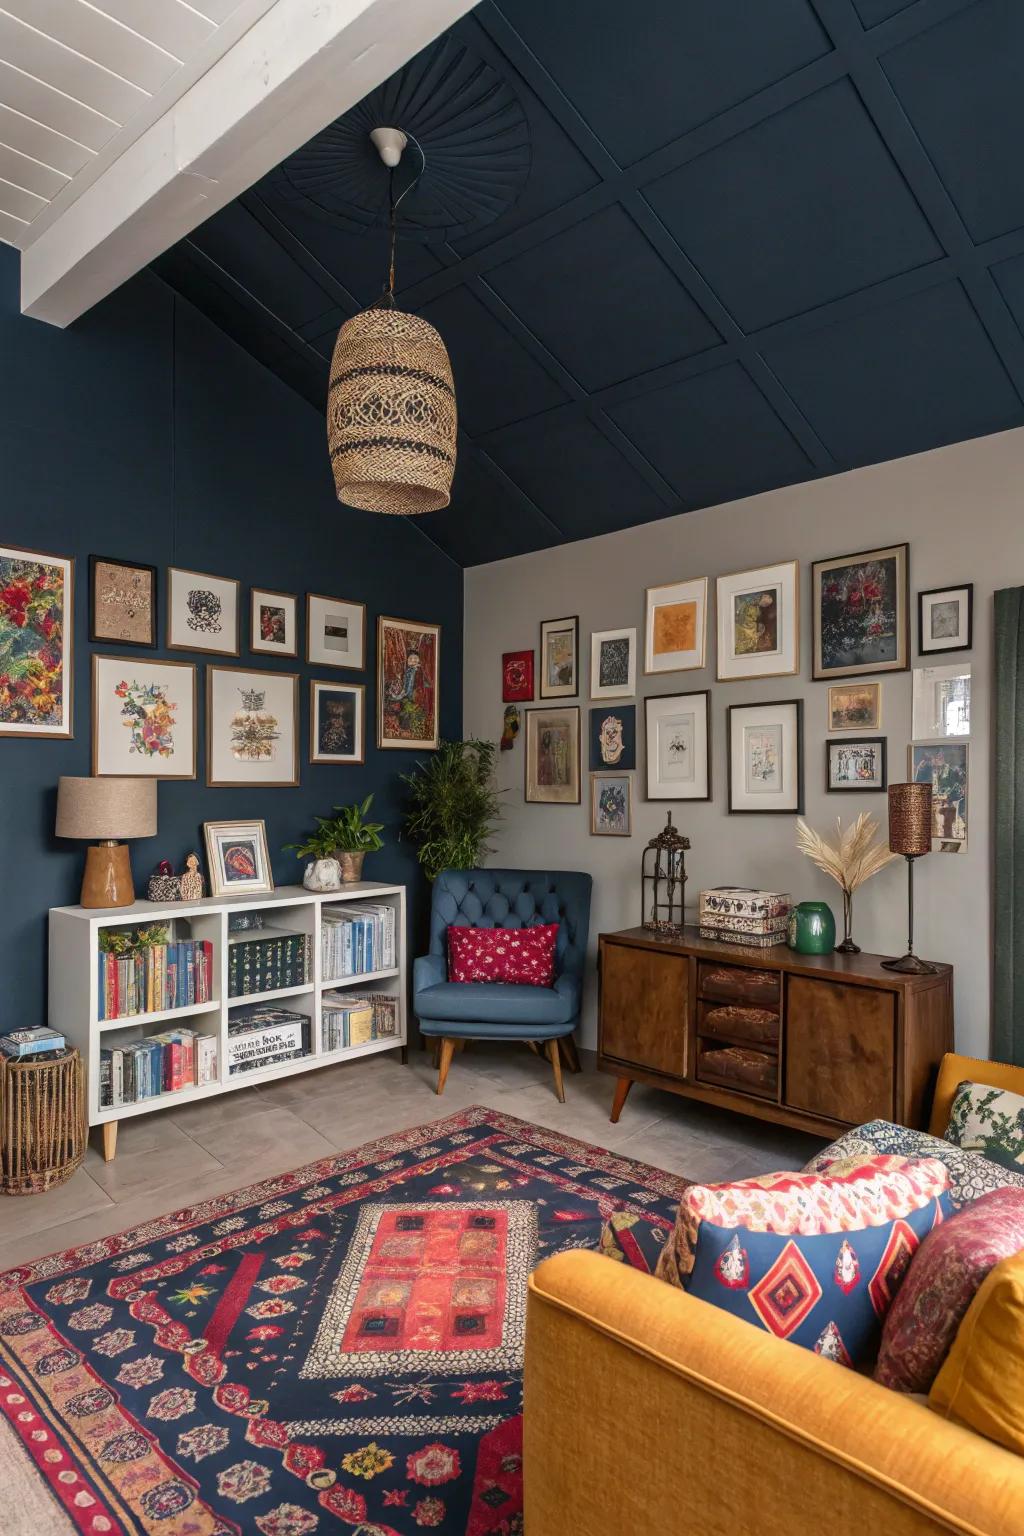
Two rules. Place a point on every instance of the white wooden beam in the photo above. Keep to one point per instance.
(302, 64)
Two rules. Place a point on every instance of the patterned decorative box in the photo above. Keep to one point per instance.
(738, 906)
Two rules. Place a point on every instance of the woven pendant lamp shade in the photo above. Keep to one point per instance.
(391, 417)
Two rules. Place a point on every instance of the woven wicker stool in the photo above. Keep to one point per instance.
(42, 1123)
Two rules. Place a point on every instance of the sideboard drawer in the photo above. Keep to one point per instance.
(840, 1050)
(644, 1008)
(738, 984)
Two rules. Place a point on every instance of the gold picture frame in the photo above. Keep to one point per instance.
(542, 772)
(401, 683)
(134, 668)
(251, 708)
(250, 837)
(316, 752)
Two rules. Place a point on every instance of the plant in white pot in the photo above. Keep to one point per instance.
(338, 845)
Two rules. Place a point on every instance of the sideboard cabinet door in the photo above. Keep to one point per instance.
(840, 1049)
(644, 1008)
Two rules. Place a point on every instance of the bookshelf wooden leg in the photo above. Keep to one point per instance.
(447, 1052)
(109, 1141)
(622, 1088)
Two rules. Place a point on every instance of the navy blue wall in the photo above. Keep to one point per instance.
(143, 432)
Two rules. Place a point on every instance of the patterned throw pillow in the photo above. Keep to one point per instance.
(970, 1176)
(813, 1259)
(524, 956)
(989, 1121)
(632, 1240)
(944, 1277)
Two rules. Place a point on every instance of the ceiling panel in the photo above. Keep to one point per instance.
(68, 71)
(31, 174)
(31, 138)
(234, 239)
(14, 199)
(23, 93)
(173, 25)
(97, 37)
(489, 519)
(871, 12)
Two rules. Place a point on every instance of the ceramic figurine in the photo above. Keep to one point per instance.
(191, 881)
(322, 875)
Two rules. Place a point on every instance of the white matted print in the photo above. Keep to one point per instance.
(237, 859)
(759, 622)
(766, 771)
(143, 718)
(274, 622)
(252, 723)
(613, 664)
(675, 626)
(202, 612)
(942, 702)
(945, 619)
(335, 632)
(678, 729)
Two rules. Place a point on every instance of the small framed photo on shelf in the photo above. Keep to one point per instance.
(252, 727)
(517, 677)
(143, 718)
(766, 758)
(678, 731)
(855, 706)
(942, 701)
(613, 737)
(613, 664)
(408, 683)
(202, 612)
(37, 621)
(857, 765)
(945, 619)
(675, 626)
(759, 622)
(559, 658)
(336, 722)
(237, 858)
(122, 602)
(860, 607)
(944, 767)
(553, 756)
(611, 804)
(335, 632)
(273, 622)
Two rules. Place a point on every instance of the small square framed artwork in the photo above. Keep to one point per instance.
(857, 765)
(860, 616)
(122, 602)
(517, 677)
(336, 722)
(766, 758)
(202, 612)
(678, 732)
(273, 622)
(944, 767)
(613, 664)
(613, 737)
(37, 621)
(611, 804)
(237, 858)
(252, 727)
(675, 626)
(759, 622)
(559, 658)
(552, 758)
(855, 706)
(143, 718)
(945, 619)
(335, 632)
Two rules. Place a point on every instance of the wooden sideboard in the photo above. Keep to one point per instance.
(817, 1042)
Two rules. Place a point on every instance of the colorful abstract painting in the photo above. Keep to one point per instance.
(860, 613)
(35, 643)
(407, 683)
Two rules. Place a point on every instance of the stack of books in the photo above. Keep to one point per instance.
(38, 1044)
(159, 1064)
(154, 977)
(357, 940)
(262, 1035)
(737, 915)
(268, 959)
(350, 1019)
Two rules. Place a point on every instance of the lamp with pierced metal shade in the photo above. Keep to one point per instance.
(910, 833)
(106, 809)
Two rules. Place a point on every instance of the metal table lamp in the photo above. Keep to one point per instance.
(107, 810)
(910, 833)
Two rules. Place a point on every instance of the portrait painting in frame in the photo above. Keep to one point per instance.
(613, 737)
(408, 674)
(611, 804)
(943, 765)
(273, 622)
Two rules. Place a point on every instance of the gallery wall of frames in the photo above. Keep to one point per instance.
(182, 597)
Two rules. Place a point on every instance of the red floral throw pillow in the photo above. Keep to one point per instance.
(524, 956)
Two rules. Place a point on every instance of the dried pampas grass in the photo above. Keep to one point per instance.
(854, 856)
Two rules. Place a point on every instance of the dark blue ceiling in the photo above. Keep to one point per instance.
(758, 241)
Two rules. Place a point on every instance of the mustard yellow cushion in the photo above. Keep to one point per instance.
(981, 1383)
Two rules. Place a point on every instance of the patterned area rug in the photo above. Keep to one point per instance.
(336, 1349)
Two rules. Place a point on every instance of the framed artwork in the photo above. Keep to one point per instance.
(759, 622)
(202, 612)
(273, 622)
(945, 619)
(613, 737)
(252, 727)
(860, 607)
(611, 804)
(613, 664)
(559, 658)
(553, 755)
(675, 626)
(855, 706)
(37, 611)
(678, 731)
(766, 758)
(143, 718)
(122, 602)
(942, 701)
(336, 722)
(517, 677)
(237, 858)
(858, 765)
(335, 632)
(407, 683)
(944, 767)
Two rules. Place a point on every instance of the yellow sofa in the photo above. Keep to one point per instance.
(648, 1410)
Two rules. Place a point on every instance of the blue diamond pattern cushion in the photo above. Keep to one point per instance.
(814, 1259)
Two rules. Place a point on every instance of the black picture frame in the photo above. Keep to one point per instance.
(848, 744)
(562, 691)
(658, 698)
(95, 638)
(797, 705)
(945, 650)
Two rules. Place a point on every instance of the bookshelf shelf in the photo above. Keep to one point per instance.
(74, 974)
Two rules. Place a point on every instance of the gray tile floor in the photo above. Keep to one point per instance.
(177, 1156)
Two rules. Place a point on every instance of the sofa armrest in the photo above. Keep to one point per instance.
(428, 971)
(569, 988)
(649, 1410)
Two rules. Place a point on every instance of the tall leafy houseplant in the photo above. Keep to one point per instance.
(453, 806)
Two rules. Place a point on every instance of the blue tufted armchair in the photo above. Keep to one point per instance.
(542, 1017)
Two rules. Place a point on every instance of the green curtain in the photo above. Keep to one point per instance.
(1008, 991)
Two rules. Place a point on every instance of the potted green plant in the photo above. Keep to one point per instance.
(453, 806)
(342, 840)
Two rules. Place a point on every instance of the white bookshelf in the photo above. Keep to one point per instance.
(74, 982)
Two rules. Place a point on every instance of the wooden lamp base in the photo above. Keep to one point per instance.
(107, 881)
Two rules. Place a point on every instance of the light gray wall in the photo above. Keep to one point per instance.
(962, 511)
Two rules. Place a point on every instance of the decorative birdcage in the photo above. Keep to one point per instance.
(663, 881)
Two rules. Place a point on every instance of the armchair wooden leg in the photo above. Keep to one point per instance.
(534, 1047)
(567, 1046)
(435, 1051)
(447, 1052)
(556, 1066)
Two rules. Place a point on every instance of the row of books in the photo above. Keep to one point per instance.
(154, 977)
(263, 1035)
(267, 959)
(355, 1020)
(357, 939)
(165, 1063)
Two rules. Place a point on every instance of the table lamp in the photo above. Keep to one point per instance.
(107, 810)
(910, 833)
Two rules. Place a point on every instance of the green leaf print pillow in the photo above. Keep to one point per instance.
(989, 1121)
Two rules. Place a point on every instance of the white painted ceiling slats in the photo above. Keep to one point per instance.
(100, 38)
(29, 137)
(178, 28)
(69, 72)
(23, 171)
(15, 200)
(25, 94)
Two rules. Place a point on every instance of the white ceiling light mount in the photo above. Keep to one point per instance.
(389, 144)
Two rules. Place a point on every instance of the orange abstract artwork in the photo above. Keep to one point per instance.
(675, 628)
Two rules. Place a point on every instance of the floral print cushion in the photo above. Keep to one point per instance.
(989, 1121)
(520, 956)
(970, 1175)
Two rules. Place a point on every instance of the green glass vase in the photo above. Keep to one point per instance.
(812, 928)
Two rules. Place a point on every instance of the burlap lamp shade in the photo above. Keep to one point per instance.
(106, 809)
(391, 416)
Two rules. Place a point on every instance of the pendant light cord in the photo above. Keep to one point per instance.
(388, 295)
